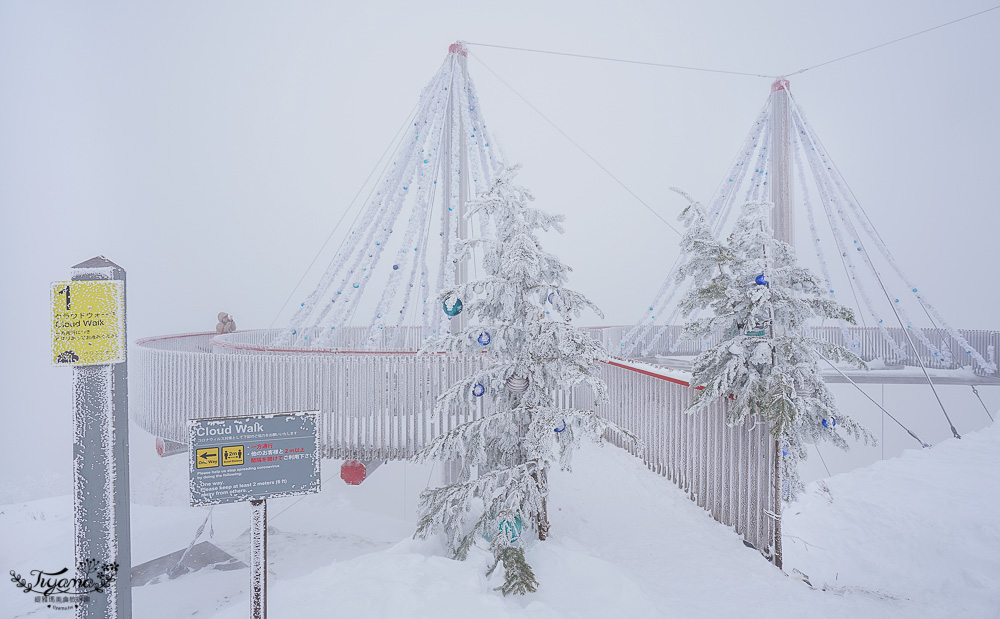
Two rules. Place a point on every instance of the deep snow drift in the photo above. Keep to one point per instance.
(910, 537)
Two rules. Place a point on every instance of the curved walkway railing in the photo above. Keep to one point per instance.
(377, 406)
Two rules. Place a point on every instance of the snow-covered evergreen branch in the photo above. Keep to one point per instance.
(519, 315)
(760, 299)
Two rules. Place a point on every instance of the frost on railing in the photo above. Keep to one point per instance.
(378, 406)
(941, 349)
(727, 470)
(373, 406)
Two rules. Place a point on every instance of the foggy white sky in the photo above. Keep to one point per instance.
(209, 148)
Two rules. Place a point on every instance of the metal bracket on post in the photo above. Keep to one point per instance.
(100, 468)
(258, 559)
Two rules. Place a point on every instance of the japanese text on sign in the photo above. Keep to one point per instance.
(88, 322)
(249, 458)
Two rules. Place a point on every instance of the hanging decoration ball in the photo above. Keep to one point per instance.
(395, 267)
(760, 281)
(511, 530)
(484, 338)
(552, 297)
(517, 384)
(478, 288)
(356, 285)
(562, 428)
(478, 390)
(455, 310)
(830, 424)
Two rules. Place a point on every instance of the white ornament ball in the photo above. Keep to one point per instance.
(517, 384)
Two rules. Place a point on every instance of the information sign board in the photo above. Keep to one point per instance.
(252, 458)
(88, 322)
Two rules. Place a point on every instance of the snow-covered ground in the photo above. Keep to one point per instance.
(914, 536)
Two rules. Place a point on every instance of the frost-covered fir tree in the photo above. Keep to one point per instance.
(519, 314)
(760, 299)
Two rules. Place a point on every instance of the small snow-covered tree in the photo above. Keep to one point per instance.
(760, 299)
(505, 455)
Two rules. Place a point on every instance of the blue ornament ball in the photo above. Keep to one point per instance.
(830, 424)
(563, 428)
(484, 338)
(455, 309)
(478, 390)
(760, 281)
(395, 267)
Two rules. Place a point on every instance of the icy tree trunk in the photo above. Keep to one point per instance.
(100, 469)
(542, 479)
(777, 505)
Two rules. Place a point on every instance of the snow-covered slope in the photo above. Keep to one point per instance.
(912, 537)
(923, 527)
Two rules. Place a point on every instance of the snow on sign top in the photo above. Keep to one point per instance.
(88, 322)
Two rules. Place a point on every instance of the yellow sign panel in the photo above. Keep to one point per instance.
(208, 458)
(232, 455)
(88, 322)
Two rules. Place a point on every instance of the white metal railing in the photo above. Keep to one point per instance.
(374, 406)
(727, 470)
(377, 405)
(869, 343)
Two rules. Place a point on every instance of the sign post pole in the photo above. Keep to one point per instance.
(251, 459)
(258, 559)
(100, 455)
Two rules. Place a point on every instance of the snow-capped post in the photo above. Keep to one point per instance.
(454, 223)
(780, 172)
(519, 315)
(782, 226)
(88, 334)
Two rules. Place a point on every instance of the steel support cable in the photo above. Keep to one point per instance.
(853, 198)
(976, 391)
(367, 200)
(916, 353)
(755, 144)
(826, 200)
(823, 460)
(750, 140)
(814, 229)
(853, 205)
(817, 178)
(721, 201)
(580, 148)
(872, 400)
(747, 74)
(909, 36)
(406, 122)
(623, 60)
